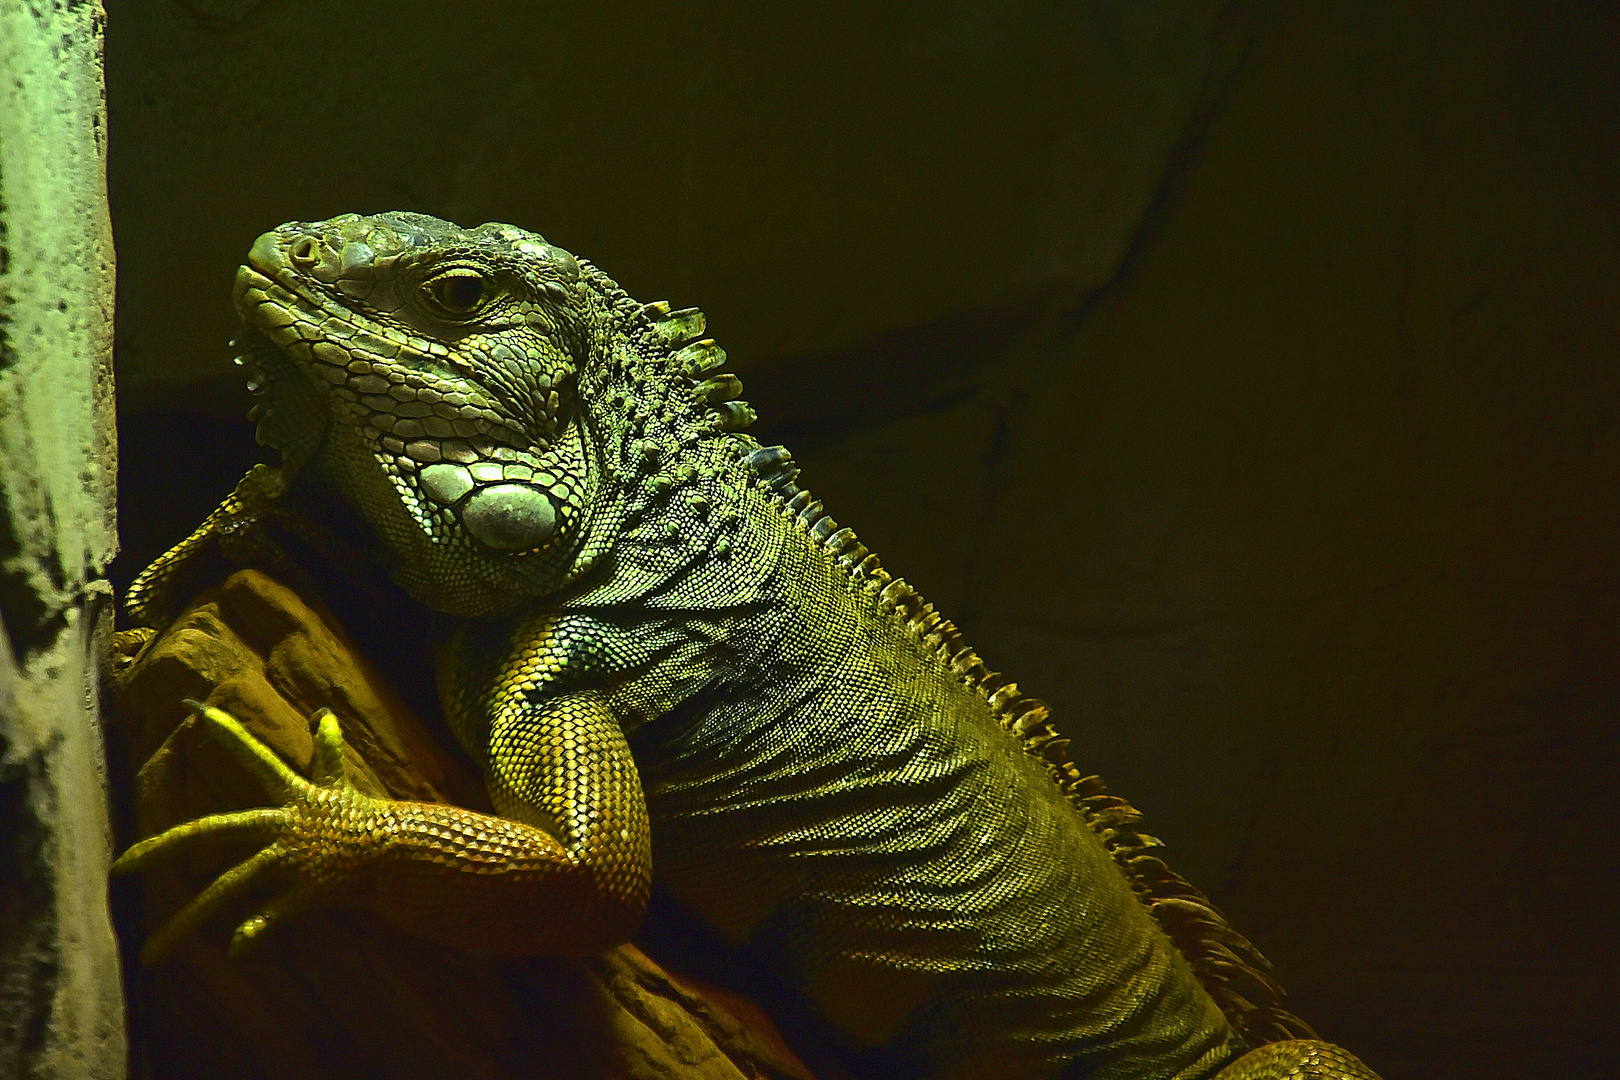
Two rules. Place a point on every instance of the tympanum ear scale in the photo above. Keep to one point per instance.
(510, 517)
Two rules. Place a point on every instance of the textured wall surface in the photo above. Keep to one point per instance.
(1241, 379)
(1307, 525)
(61, 1007)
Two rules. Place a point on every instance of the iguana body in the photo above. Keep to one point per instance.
(671, 663)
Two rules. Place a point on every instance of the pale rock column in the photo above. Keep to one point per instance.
(61, 1006)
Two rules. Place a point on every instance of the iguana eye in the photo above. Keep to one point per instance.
(458, 292)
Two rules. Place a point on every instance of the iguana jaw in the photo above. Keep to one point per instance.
(288, 408)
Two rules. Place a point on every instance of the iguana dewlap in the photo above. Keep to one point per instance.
(672, 664)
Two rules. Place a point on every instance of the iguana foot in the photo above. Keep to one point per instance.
(456, 876)
(126, 647)
(1297, 1059)
(316, 845)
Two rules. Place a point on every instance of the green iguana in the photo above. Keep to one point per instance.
(671, 663)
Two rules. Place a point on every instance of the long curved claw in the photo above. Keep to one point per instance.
(260, 824)
(293, 902)
(204, 905)
(254, 756)
(329, 767)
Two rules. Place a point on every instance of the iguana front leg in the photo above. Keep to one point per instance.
(553, 753)
(231, 528)
(571, 879)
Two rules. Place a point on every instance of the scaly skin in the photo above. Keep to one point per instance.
(661, 635)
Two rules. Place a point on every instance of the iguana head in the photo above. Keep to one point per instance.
(434, 373)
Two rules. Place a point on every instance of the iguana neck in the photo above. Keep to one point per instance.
(674, 467)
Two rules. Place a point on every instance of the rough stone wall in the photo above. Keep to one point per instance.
(1239, 377)
(61, 1013)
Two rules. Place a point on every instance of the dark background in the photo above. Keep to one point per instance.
(1241, 377)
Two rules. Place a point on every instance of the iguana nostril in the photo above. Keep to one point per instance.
(305, 252)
